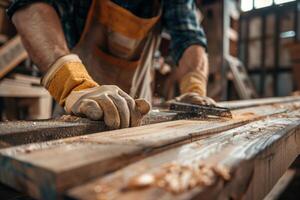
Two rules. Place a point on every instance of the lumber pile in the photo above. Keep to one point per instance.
(30, 94)
(12, 53)
(236, 158)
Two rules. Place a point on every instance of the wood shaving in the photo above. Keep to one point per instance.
(178, 178)
(141, 181)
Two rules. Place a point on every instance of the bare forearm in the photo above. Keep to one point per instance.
(194, 58)
(41, 32)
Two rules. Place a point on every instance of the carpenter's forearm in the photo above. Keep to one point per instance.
(41, 33)
(194, 58)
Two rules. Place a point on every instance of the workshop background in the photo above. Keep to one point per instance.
(253, 48)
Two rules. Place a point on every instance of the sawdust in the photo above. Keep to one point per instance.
(4, 144)
(69, 118)
(243, 116)
(177, 178)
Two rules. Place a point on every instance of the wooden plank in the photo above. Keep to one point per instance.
(13, 133)
(13, 88)
(12, 53)
(39, 108)
(27, 79)
(258, 102)
(44, 170)
(225, 166)
(24, 132)
(281, 185)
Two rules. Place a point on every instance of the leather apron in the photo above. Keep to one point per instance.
(117, 47)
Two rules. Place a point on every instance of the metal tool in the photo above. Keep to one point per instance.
(202, 111)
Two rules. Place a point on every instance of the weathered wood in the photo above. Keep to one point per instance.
(46, 169)
(12, 53)
(24, 132)
(13, 133)
(258, 102)
(242, 163)
(281, 185)
(15, 88)
(27, 79)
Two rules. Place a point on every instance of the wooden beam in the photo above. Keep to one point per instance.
(242, 163)
(24, 132)
(15, 133)
(281, 185)
(27, 79)
(20, 89)
(258, 102)
(44, 170)
(12, 53)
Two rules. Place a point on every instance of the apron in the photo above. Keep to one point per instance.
(117, 47)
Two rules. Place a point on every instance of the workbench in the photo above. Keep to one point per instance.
(166, 158)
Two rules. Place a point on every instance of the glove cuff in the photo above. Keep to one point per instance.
(67, 74)
(195, 81)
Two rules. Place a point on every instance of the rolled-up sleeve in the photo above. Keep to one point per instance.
(181, 20)
(17, 4)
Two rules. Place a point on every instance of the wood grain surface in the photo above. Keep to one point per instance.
(242, 163)
(14, 133)
(12, 53)
(45, 170)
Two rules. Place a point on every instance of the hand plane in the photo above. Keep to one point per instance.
(202, 111)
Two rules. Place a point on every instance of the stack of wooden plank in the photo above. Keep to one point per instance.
(30, 93)
(242, 157)
(12, 53)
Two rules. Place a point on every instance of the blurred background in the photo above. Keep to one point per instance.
(253, 50)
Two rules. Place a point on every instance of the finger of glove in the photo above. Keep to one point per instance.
(205, 101)
(211, 102)
(123, 110)
(89, 108)
(110, 112)
(201, 101)
(192, 99)
(143, 106)
(187, 98)
(135, 115)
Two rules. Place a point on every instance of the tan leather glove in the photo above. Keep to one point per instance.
(70, 84)
(193, 89)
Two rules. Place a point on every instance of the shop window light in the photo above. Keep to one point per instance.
(282, 1)
(246, 5)
(262, 3)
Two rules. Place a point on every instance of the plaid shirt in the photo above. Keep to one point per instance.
(179, 18)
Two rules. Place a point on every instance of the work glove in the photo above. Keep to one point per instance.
(192, 75)
(193, 89)
(107, 102)
(70, 84)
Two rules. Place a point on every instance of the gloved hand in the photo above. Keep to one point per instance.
(192, 75)
(70, 84)
(193, 89)
(107, 102)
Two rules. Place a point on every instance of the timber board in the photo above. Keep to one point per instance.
(23, 132)
(254, 155)
(45, 170)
